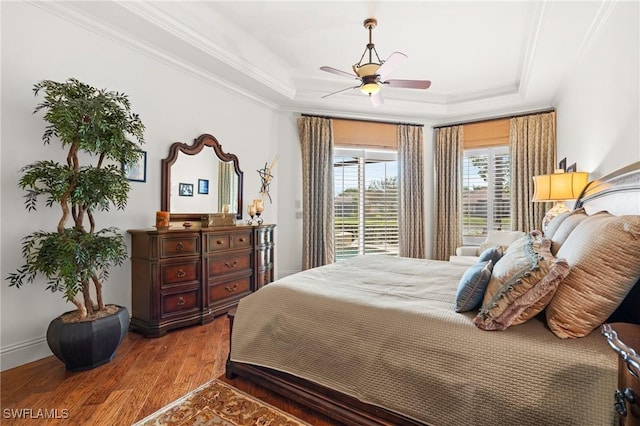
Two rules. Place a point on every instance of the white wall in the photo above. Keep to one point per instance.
(598, 107)
(174, 106)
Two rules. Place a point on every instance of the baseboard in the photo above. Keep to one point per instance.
(24, 352)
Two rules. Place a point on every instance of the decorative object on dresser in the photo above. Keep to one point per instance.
(625, 340)
(558, 187)
(255, 211)
(94, 126)
(181, 277)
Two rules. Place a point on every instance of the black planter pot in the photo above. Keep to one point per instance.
(88, 344)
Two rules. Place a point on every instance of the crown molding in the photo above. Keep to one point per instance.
(67, 11)
(170, 25)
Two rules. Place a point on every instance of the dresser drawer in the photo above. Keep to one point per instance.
(265, 277)
(228, 264)
(179, 303)
(180, 273)
(241, 240)
(264, 236)
(229, 289)
(185, 245)
(236, 240)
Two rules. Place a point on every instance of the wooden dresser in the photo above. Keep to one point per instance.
(181, 277)
(625, 340)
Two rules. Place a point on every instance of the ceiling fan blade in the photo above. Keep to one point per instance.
(338, 72)
(340, 91)
(392, 62)
(376, 99)
(409, 84)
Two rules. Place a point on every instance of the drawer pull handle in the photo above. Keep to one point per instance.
(230, 289)
(180, 301)
(242, 240)
(219, 242)
(231, 265)
(181, 273)
(179, 246)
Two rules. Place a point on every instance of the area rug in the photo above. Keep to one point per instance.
(217, 403)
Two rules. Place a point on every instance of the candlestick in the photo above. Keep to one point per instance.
(259, 205)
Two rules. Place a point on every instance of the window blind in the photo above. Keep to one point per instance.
(486, 193)
(366, 202)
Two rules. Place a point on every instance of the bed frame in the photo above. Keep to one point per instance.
(618, 192)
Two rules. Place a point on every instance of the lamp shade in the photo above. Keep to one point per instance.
(370, 88)
(559, 186)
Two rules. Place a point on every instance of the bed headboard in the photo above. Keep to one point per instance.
(619, 194)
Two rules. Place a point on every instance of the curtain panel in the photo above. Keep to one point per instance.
(316, 139)
(447, 235)
(411, 229)
(532, 143)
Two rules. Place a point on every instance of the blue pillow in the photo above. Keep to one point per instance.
(472, 286)
(492, 253)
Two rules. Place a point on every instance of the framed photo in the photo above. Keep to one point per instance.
(137, 172)
(572, 168)
(563, 164)
(203, 186)
(185, 189)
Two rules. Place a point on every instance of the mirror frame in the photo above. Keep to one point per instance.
(199, 143)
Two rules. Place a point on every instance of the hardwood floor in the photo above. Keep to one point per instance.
(144, 376)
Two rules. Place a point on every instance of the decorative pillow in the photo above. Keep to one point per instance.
(493, 254)
(564, 229)
(553, 226)
(472, 286)
(603, 251)
(522, 283)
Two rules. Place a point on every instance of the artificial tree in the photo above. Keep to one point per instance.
(94, 126)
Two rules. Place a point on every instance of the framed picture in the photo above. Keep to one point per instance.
(572, 168)
(563, 164)
(203, 186)
(137, 172)
(185, 189)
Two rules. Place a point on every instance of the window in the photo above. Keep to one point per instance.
(486, 193)
(366, 202)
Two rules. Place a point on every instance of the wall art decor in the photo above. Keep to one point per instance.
(203, 186)
(185, 190)
(137, 172)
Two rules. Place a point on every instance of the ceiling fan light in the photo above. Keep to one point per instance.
(370, 88)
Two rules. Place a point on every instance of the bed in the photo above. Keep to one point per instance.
(376, 341)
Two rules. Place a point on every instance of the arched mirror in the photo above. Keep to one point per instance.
(199, 179)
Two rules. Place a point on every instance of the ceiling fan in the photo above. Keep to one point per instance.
(372, 74)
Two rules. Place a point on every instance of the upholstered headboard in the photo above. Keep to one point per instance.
(619, 194)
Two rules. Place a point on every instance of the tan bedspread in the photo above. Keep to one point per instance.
(383, 330)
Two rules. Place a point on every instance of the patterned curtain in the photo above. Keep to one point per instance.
(225, 190)
(448, 192)
(316, 138)
(411, 231)
(532, 142)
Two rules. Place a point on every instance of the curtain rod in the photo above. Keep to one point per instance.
(362, 121)
(481, 120)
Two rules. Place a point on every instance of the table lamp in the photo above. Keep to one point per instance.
(558, 187)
